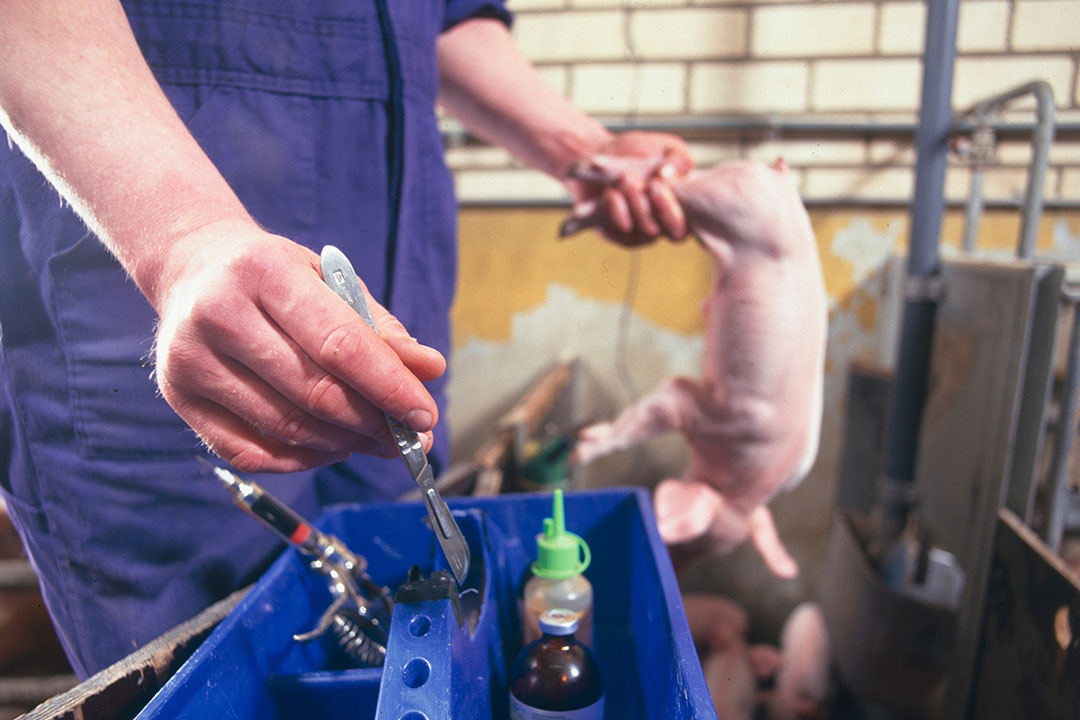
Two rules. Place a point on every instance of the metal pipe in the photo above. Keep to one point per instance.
(931, 143)
(980, 151)
(1040, 161)
(457, 136)
(974, 208)
(1041, 139)
(1066, 431)
(847, 202)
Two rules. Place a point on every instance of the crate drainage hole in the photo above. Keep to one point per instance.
(419, 626)
(414, 715)
(415, 674)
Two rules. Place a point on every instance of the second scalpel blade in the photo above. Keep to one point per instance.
(338, 273)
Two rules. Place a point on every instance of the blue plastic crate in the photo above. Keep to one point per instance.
(250, 666)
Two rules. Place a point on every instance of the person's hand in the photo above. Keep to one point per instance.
(624, 189)
(273, 370)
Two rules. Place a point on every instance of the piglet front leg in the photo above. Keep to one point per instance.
(672, 406)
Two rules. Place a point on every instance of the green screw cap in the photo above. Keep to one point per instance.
(559, 554)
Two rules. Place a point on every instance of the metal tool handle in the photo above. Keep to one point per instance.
(271, 512)
(339, 274)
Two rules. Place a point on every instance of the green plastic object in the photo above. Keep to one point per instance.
(548, 467)
(559, 554)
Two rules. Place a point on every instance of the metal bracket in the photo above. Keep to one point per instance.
(924, 288)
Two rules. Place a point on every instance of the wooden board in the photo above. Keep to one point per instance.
(121, 690)
(1029, 659)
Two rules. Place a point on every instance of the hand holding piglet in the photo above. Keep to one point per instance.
(753, 418)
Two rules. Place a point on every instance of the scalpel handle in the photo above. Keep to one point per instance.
(339, 274)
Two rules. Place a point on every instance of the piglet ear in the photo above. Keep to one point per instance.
(780, 165)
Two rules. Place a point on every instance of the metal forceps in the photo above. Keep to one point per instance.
(338, 273)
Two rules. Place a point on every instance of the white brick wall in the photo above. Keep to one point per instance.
(861, 85)
(877, 183)
(706, 154)
(1001, 183)
(810, 152)
(618, 89)
(1046, 25)
(819, 29)
(891, 152)
(749, 87)
(577, 36)
(510, 184)
(851, 60)
(977, 78)
(688, 33)
(1070, 183)
(901, 26)
(558, 77)
(983, 26)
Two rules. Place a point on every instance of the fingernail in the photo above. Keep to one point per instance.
(419, 420)
(667, 171)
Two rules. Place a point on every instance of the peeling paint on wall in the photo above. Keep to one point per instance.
(1066, 239)
(488, 375)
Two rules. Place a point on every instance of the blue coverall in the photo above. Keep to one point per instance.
(320, 115)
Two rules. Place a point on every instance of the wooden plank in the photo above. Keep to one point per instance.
(121, 690)
(1029, 660)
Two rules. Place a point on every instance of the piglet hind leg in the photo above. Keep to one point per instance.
(694, 518)
(767, 541)
(685, 511)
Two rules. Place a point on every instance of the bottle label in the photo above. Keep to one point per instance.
(521, 711)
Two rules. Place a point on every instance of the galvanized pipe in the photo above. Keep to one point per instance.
(1041, 138)
(917, 329)
(777, 127)
(1040, 160)
(1066, 431)
(974, 209)
(810, 202)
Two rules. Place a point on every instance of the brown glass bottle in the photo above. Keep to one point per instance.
(556, 673)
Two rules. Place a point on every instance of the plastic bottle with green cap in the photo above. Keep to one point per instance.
(558, 579)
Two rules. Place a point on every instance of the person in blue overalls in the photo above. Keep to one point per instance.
(167, 301)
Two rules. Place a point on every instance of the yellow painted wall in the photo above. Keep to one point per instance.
(509, 257)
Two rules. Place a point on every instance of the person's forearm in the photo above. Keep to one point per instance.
(79, 99)
(488, 85)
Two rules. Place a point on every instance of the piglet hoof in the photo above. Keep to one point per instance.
(594, 442)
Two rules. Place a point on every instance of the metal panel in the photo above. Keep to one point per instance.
(1035, 393)
(968, 442)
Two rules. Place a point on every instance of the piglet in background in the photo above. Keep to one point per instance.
(789, 682)
(752, 421)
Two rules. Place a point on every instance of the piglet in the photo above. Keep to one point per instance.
(802, 683)
(753, 419)
(719, 627)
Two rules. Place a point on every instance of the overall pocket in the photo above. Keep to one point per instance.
(107, 327)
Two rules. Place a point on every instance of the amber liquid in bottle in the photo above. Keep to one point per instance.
(556, 673)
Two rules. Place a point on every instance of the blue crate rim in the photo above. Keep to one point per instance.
(682, 643)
